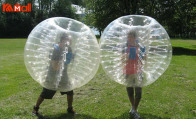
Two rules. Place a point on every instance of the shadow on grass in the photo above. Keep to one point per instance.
(150, 116)
(143, 116)
(66, 116)
(183, 51)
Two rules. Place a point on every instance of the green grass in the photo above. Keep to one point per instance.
(171, 96)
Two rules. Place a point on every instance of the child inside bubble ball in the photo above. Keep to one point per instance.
(60, 50)
(132, 70)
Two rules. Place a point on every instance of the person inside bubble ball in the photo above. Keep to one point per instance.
(60, 50)
(132, 69)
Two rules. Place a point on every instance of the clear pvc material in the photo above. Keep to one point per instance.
(135, 50)
(62, 54)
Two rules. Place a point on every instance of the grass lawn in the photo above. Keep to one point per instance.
(172, 96)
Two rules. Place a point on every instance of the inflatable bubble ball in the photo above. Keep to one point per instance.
(61, 54)
(135, 50)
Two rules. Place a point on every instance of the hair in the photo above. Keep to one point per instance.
(132, 33)
(64, 36)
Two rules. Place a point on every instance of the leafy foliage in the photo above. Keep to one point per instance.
(19, 24)
(177, 16)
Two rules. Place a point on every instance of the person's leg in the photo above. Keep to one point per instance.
(130, 93)
(38, 103)
(45, 94)
(138, 95)
(69, 100)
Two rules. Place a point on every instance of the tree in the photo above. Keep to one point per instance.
(177, 16)
(20, 24)
(101, 12)
(63, 8)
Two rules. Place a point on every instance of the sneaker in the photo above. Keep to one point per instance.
(70, 110)
(35, 111)
(136, 115)
(131, 112)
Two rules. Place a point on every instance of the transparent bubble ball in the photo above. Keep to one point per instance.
(135, 50)
(62, 54)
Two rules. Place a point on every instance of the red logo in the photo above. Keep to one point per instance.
(17, 8)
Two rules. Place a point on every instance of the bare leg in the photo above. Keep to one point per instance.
(69, 100)
(130, 92)
(39, 102)
(138, 93)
